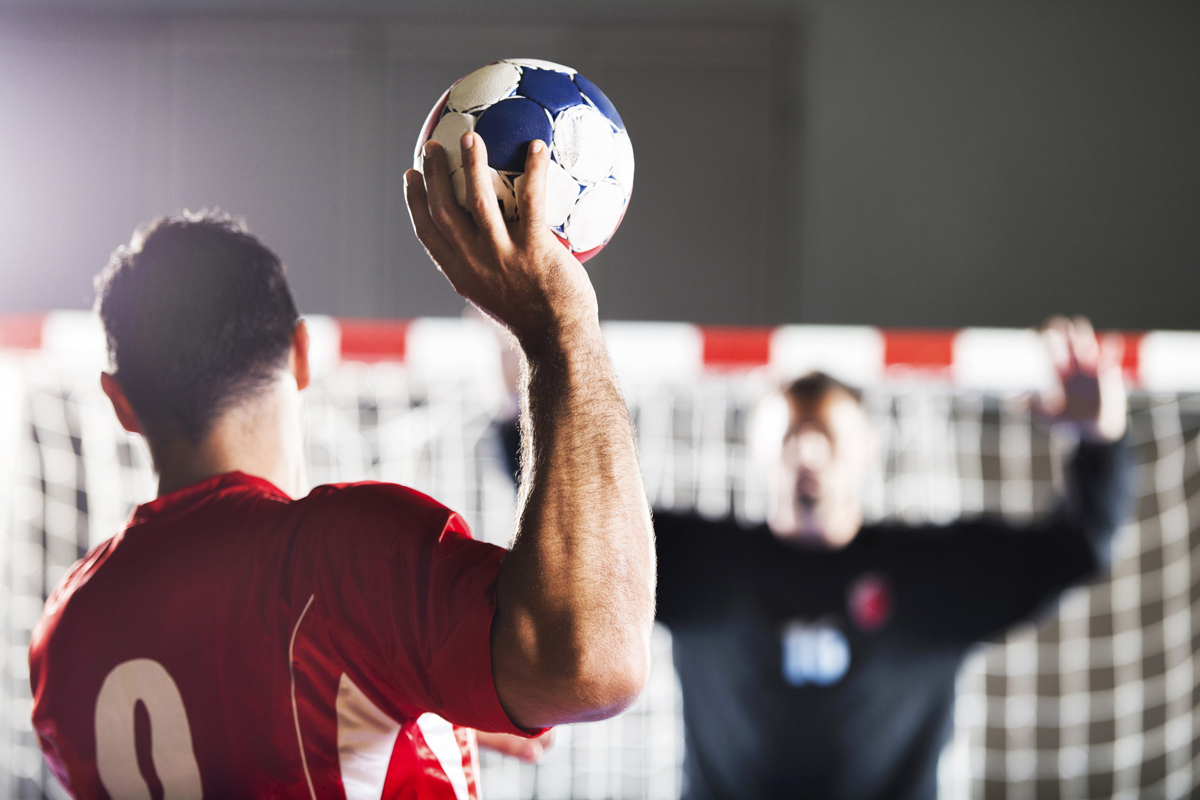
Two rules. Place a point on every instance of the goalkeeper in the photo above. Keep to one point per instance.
(817, 655)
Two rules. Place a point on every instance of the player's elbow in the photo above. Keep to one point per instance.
(601, 659)
(582, 677)
(609, 681)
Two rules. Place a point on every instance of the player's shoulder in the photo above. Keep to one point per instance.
(373, 495)
(373, 507)
(77, 578)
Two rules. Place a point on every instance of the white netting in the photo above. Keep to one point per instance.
(1098, 701)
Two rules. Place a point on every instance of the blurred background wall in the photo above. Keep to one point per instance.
(917, 164)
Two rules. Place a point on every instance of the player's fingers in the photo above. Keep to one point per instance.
(418, 211)
(443, 253)
(481, 193)
(531, 201)
(450, 218)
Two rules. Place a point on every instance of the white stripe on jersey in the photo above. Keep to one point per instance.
(295, 710)
(366, 738)
(439, 735)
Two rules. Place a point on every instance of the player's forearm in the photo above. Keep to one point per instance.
(576, 593)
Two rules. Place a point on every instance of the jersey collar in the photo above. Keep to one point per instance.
(189, 496)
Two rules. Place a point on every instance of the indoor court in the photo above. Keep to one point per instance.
(896, 195)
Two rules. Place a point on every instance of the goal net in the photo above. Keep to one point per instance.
(1097, 700)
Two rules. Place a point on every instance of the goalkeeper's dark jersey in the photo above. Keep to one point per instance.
(830, 674)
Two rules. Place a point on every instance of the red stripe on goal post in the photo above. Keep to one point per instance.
(1130, 361)
(373, 339)
(21, 331)
(919, 349)
(736, 347)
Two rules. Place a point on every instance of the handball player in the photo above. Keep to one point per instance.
(240, 638)
(818, 655)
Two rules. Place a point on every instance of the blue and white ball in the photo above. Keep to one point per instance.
(512, 102)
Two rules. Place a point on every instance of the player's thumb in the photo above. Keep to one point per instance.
(531, 190)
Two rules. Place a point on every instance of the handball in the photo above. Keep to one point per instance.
(512, 102)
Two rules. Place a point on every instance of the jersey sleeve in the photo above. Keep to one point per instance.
(409, 597)
(987, 575)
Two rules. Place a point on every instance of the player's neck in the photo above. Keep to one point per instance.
(259, 437)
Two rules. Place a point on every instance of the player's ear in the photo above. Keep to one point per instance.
(298, 359)
(120, 403)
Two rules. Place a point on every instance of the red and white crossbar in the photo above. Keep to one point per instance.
(998, 359)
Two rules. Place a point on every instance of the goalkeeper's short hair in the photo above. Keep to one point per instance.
(815, 386)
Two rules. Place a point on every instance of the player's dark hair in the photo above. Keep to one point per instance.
(198, 316)
(815, 386)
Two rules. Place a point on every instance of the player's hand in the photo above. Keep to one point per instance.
(528, 750)
(518, 273)
(1091, 393)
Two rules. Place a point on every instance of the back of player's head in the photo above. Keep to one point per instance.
(198, 316)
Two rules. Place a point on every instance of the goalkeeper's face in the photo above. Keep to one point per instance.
(815, 455)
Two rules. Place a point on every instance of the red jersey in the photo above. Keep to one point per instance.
(231, 642)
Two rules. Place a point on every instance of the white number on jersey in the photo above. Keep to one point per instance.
(170, 738)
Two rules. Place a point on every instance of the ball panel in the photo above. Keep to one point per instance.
(561, 193)
(427, 129)
(595, 216)
(599, 99)
(536, 63)
(552, 90)
(449, 133)
(586, 254)
(501, 184)
(583, 144)
(505, 194)
(580, 257)
(508, 127)
(483, 87)
(622, 171)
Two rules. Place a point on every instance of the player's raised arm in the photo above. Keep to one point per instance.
(570, 640)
